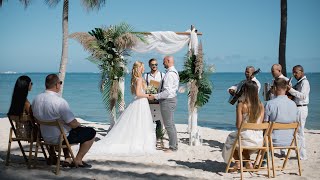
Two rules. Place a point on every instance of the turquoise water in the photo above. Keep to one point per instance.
(82, 93)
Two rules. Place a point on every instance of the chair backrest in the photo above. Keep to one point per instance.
(63, 141)
(264, 127)
(22, 127)
(284, 126)
(276, 126)
(22, 118)
(291, 145)
(254, 126)
(55, 123)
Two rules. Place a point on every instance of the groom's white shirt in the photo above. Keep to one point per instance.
(170, 84)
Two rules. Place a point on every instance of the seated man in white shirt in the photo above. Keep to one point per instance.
(154, 75)
(50, 106)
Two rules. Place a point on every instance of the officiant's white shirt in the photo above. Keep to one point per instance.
(158, 76)
(170, 84)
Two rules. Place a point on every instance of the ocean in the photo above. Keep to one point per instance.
(82, 92)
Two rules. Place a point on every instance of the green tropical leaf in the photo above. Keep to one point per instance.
(205, 90)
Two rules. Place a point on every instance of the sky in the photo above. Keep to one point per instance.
(235, 33)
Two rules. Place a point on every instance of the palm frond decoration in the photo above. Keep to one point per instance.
(196, 76)
(193, 92)
(204, 90)
(108, 47)
(199, 61)
(189, 69)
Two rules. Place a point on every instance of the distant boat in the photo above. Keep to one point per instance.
(9, 72)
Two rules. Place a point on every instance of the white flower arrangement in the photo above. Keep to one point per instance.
(151, 89)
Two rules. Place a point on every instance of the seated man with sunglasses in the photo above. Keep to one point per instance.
(50, 106)
(155, 75)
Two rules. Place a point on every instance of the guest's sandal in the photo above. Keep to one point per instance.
(235, 167)
(85, 165)
(67, 164)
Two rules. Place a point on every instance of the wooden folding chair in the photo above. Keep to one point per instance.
(293, 145)
(19, 136)
(261, 149)
(63, 141)
(16, 134)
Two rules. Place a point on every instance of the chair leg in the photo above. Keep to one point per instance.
(299, 163)
(30, 153)
(9, 148)
(231, 155)
(241, 162)
(298, 156)
(258, 157)
(44, 153)
(72, 155)
(23, 153)
(272, 161)
(58, 160)
(36, 155)
(286, 160)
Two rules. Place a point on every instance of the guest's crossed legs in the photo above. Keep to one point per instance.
(85, 136)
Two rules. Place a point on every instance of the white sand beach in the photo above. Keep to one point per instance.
(189, 162)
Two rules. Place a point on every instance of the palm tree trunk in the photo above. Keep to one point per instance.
(283, 37)
(64, 54)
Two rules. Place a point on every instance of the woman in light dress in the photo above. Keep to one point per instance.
(250, 110)
(133, 134)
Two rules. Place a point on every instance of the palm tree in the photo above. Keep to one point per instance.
(24, 2)
(89, 5)
(283, 37)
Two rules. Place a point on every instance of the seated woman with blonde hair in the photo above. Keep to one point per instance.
(250, 110)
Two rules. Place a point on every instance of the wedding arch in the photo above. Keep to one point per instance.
(110, 46)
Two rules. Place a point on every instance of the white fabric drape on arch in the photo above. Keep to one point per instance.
(166, 42)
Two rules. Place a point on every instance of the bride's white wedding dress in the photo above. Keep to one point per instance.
(132, 135)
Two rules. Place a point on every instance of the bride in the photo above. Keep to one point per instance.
(133, 134)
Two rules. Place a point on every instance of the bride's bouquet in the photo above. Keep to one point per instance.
(151, 89)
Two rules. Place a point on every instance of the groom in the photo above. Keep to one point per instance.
(168, 101)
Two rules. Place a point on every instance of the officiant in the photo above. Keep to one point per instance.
(154, 78)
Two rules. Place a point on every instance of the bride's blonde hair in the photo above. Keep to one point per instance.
(136, 73)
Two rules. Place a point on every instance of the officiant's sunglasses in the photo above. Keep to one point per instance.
(153, 64)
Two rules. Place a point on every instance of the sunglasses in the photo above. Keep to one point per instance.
(153, 64)
(59, 82)
(31, 83)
